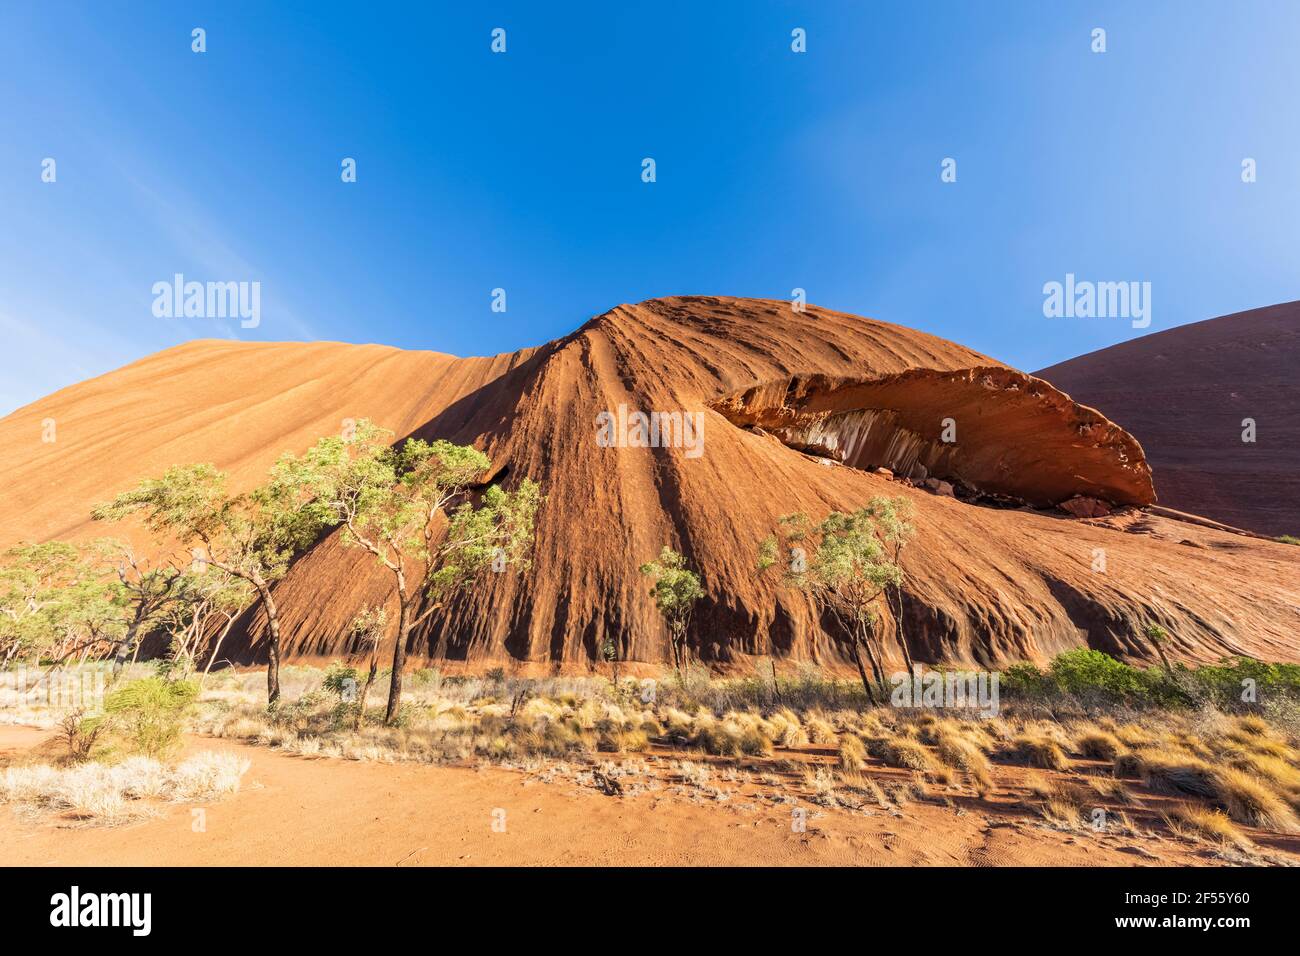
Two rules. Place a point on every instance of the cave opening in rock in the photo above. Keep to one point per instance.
(991, 434)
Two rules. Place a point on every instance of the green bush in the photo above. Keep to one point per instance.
(1026, 680)
(1091, 677)
(424, 676)
(340, 680)
(150, 713)
(1081, 671)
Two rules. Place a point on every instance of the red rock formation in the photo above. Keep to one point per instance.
(1008, 433)
(1184, 394)
(984, 585)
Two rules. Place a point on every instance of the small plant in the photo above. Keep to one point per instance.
(1036, 750)
(1158, 637)
(79, 733)
(609, 652)
(341, 681)
(150, 713)
(676, 589)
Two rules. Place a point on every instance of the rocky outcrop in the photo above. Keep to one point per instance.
(1216, 405)
(989, 428)
(983, 584)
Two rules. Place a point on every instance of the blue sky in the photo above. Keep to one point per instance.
(775, 170)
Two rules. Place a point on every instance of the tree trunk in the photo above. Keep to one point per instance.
(898, 626)
(216, 648)
(273, 643)
(862, 672)
(399, 659)
(119, 659)
(370, 680)
(877, 668)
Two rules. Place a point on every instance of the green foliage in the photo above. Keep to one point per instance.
(848, 559)
(150, 713)
(33, 579)
(254, 535)
(852, 551)
(388, 497)
(676, 586)
(340, 679)
(1094, 678)
(1288, 539)
(676, 589)
(1083, 669)
(54, 601)
(1025, 680)
(425, 676)
(1155, 633)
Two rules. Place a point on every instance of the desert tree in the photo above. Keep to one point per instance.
(675, 591)
(415, 507)
(145, 590)
(252, 536)
(847, 562)
(367, 629)
(207, 604)
(35, 585)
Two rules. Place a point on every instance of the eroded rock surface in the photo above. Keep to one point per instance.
(990, 428)
(983, 585)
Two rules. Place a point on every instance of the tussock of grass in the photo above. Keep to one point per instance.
(906, 753)
(102, 795)
(1251, 802)
(1192, 822)
(1098, 745)
(787, 730)
(852, 754)
(962, 754)
(820, 730)
(1111, 789)
(1037, 750)
(1178, 775)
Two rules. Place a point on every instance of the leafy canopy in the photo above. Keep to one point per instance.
(848, 559)
(676, 586)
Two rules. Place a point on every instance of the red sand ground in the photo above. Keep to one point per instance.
(297, 811)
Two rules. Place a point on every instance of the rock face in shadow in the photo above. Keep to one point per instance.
(991, 428)
(1185, 393)
(984, 585)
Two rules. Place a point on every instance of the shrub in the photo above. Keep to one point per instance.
(79, 733)
(1081, 671)
(1026, 680)
(341, 680)
(150, 713)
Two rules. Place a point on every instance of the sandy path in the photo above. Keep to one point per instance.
(296, 811)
